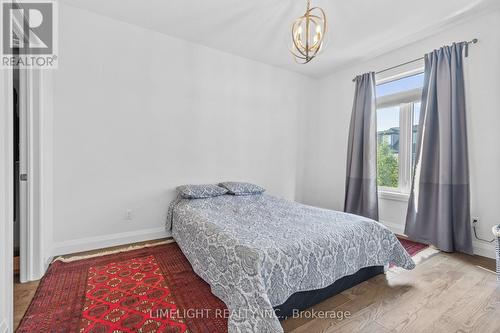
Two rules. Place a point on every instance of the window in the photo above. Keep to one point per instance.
(398, 111)
(404, 84)
(388, 147)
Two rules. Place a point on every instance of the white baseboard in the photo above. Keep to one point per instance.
(3, 326)
(484, 249)
(479, 248)
(99, 242)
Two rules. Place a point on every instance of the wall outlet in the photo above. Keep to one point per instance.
(475, 220)
(128, 215)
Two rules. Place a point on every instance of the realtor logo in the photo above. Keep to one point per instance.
(29, 34)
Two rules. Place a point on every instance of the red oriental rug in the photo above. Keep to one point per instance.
(412, 247)
(153, 289)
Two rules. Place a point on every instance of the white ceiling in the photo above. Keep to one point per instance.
(259, 29)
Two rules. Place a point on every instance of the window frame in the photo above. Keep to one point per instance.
(405, 100)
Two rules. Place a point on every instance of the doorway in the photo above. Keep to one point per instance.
(26, 157)
(16, 168)
(31, 166)
(28, 138)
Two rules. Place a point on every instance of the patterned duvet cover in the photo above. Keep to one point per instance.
(255, 251)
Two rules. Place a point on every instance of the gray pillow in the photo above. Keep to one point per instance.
(240, 188)
(200, 191)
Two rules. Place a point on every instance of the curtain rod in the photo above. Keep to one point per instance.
(474, 41)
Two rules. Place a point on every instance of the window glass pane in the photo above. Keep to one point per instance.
(388, 147)
(416, 119)
(404, 84)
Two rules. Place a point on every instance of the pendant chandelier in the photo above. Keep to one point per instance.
(308, 34)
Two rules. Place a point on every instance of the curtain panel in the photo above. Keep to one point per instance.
(361, 176)
(439, 204)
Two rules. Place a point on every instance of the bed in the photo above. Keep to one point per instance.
(261, 255)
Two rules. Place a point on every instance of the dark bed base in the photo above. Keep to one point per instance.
(305, 299)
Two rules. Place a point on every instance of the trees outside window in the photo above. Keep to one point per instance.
(387, 166)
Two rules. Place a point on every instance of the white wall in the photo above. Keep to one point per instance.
(137, 113)
(326, 145)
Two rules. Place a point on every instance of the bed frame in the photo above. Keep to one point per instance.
(305, 299)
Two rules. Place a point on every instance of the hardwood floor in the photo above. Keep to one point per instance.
(23, 293)
(444, 293)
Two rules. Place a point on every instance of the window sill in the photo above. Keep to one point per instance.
(396, 196)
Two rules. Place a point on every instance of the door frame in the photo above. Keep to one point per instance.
(6, 201)
(36, 227)
(39, 224)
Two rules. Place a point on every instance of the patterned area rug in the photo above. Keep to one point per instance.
(146, 290)
(412, 247)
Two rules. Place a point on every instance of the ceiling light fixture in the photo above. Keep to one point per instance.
(308, 34)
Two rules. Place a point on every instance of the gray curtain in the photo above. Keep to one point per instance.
(439, 207)
(361, 178)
